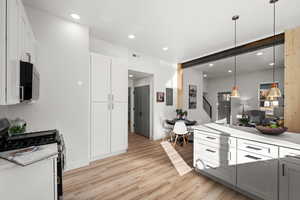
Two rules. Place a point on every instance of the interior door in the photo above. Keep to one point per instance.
(142, 110)
(224, 106)
(100, 75)
(119, 80)
(100, 130)
(119, 127)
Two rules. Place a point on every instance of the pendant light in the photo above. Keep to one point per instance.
(274, 91)
(235, 90)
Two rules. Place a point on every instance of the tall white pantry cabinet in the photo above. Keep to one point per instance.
(17, 43)
(109, 104)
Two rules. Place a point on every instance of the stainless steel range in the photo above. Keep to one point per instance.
(35, 139)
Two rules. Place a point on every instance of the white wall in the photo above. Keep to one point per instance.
(164, 75)
(62, 60)
(194, 77)
(248, 87)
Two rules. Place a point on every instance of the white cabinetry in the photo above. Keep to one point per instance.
(17, 43)
(215, 155)
(36, 181)
(109, 82)
(2, 51)
(257, 169)
(289, 174)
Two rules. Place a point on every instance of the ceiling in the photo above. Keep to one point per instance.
(246, 63)
(137, 75)
(190, 28)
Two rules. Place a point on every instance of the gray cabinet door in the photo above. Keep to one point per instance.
(257, 175)
(142, 110)
(289, 181)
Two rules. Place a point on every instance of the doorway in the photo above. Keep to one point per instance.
(142, 110)
(140, 103)
(224, 106)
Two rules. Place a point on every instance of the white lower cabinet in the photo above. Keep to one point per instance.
(33, 182)
(100, 139)
(250, 167)
(289, 174)
(119, 127)
(257, 175)
(109, 129)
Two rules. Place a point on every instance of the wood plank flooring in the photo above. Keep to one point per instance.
(144, 173)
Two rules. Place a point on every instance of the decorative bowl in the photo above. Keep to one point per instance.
(271, 131)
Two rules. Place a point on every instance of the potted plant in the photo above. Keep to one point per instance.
(181, 114)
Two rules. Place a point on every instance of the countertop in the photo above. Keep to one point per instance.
(287, 139)
(4, 164)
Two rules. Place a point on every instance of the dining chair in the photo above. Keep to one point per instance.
(180, 130)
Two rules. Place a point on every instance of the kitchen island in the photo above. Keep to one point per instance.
(260, 166)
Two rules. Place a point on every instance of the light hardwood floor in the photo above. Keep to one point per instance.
(145, 173)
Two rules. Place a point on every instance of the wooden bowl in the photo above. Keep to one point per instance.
(271, 131)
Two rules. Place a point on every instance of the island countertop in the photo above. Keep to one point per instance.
(287, 139)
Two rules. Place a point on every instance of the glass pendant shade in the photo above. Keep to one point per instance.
(274, 92)
(235, 92)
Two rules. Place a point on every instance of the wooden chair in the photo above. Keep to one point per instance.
(180, 130)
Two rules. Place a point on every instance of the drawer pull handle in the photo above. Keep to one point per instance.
(253, 148)
(211, 138)
(283, 169)
(211, 151)
(252, 157)
(296, 157)
(210, 167)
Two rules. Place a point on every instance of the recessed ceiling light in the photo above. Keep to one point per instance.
(130, 75)
(230, 71)
(204, 75)
(75, 16)
(131, 36)
(211, 64)
(165, 48)
(272, 64)
(259, 53)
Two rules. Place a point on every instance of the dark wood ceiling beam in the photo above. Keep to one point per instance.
(246, 48)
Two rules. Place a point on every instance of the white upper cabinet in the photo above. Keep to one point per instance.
(100, 77)
(2, 52)
(13, 52)
(119, 80)
(18, 45)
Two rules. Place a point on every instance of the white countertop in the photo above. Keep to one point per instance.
(4, 164)
(288, 139)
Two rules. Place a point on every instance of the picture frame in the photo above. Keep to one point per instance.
(192, 97)
(160, 97)
(169, 96)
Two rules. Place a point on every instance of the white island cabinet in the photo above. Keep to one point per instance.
(36, 181)
(289, 176)
(259, 166)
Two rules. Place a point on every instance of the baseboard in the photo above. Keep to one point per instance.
(76, 164)
(108, 155)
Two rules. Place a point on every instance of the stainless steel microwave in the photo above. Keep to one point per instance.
(29, 82)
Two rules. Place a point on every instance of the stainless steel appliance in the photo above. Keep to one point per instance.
(29, 82)
(35, 139)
